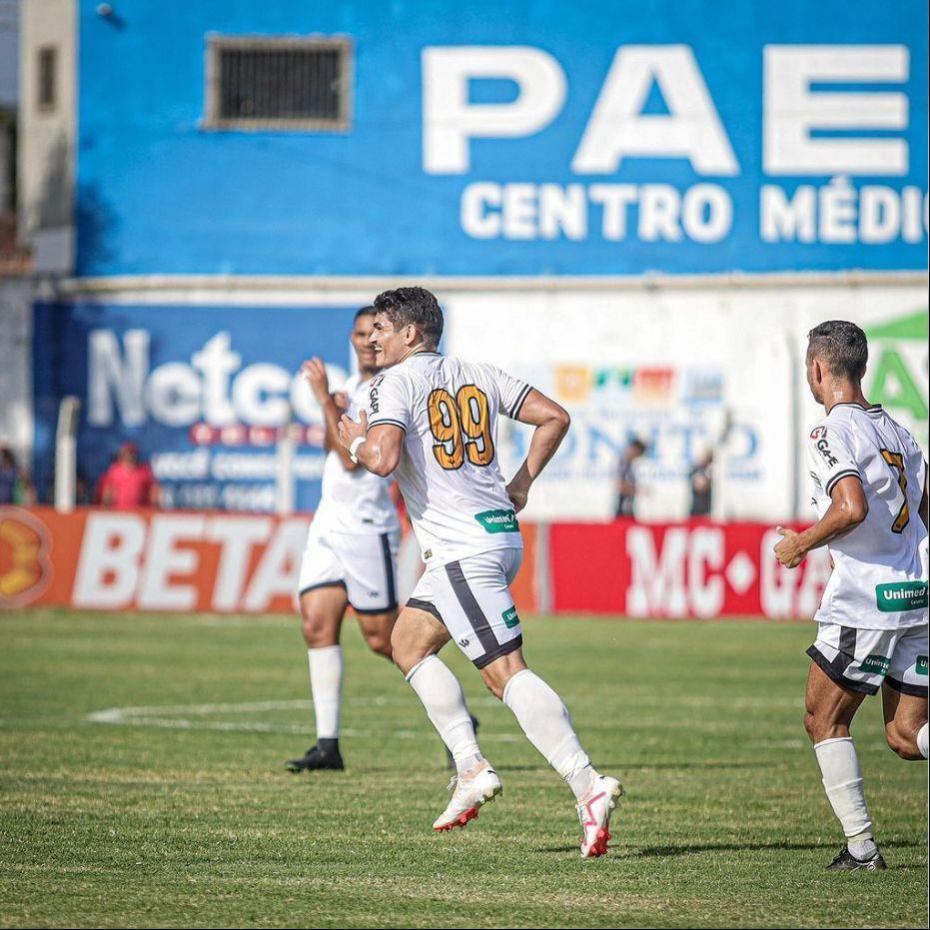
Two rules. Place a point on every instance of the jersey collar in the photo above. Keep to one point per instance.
(872, 408)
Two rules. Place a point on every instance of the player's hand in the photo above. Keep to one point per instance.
(518, 496)
(313, 372)
(789, 550)
(350, 430)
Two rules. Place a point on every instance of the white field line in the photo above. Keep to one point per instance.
(163, 717)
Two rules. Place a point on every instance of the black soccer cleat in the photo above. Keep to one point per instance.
(324, 755)
(450, 761)
(847, 862)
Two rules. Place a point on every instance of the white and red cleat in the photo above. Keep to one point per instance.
(471, 790)
(594, 814)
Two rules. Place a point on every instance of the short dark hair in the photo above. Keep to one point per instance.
(842, 345)
(415, 305)
(365, 311)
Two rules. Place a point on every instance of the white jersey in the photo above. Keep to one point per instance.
(879, 578)
(449, 472)
(354, 501)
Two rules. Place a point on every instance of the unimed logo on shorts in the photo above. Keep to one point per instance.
(498, 521)
(901, 595)
(877, 664)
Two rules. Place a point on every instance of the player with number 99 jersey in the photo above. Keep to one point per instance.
(432, 423)
(450, 476)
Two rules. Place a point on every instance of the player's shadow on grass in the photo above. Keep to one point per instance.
(663, 852)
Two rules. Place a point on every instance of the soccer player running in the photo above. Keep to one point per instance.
(870, 492)
(432, 423)
(350, 557)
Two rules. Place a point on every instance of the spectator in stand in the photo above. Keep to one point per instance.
(15, 485)
(626, 477)
(702, 485)
(128, 482)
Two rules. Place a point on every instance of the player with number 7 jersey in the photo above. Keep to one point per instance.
(873, 509)
(432, 423)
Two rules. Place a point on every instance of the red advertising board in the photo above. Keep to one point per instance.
(694, 569)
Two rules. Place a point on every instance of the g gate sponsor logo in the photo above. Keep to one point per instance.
(25, 570)
(819, 436)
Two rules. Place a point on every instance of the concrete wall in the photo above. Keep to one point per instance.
(47, 136)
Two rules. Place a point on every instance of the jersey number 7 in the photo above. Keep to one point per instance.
(461, 427)
(896, 461)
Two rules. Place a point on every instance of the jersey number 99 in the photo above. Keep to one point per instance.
(461, 426)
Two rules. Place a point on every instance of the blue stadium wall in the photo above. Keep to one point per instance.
(201, 372)
(159, 193)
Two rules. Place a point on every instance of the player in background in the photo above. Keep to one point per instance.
(350, 555)
(870, 492)
(433, 424)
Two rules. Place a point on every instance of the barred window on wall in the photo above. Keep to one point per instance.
(278, 83)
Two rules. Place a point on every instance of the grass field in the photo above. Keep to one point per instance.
(142, 784)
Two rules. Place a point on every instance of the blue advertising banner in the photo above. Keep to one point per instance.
(674, 136)
(203, 391)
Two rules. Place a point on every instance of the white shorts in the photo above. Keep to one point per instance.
(365, 565)
(861, 660)
(472, 599)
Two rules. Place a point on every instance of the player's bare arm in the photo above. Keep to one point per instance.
(380, 448)
(313, 372)
(848, 509)
(552, 422)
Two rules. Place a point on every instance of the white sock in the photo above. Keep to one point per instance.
(922, 740)
(326, 688)
(442, 696)
(547, 725)
(842, 780)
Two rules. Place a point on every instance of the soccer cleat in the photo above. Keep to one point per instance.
(469, 792)
(325, 755)
(450, 759)
(594, 816)
(847, 862)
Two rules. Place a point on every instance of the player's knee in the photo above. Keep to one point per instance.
(404, 650)
(317, 634)
(310, 629)
(379, 642)
(493, 685)
(810, 725)
(820, 727)
(902, 742)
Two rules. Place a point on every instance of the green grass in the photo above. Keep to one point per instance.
(183, 815)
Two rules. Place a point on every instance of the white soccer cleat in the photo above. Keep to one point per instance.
(594, 815)
(477, 787)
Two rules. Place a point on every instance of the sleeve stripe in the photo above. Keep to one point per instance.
(387, 422)
(515, 409)
(849, 472)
